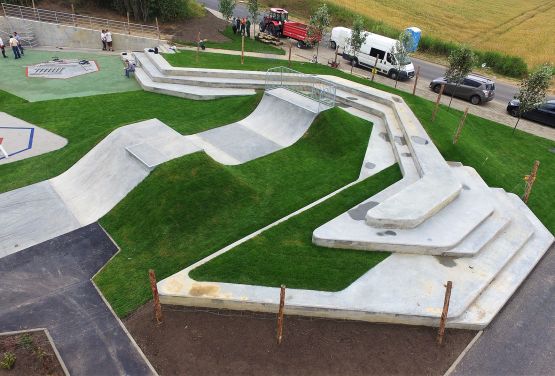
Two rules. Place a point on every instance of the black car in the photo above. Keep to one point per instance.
(545, 113)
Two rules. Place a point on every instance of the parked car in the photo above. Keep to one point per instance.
(474, 88)
(544, 114)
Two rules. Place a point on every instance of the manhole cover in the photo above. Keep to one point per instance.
(60, 68)
(352, 98)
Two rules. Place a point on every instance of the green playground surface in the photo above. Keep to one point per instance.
(109, 78)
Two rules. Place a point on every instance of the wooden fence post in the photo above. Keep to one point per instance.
(157, 28)
(280, 314)
(530, 179)
(242, 49)
(416, 79)
(461, 125)
(437, 102)
(374, 69)
(290, 48)
(154, 288)
(444, 312)
(128, 25)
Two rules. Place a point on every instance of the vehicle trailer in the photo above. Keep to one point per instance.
(277, 24)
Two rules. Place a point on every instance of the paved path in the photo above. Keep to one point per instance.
(521, 340)
(48, 286)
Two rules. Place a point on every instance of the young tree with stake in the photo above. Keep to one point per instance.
(254, 11)
(318, 25)
(400, 52)
(226, 8)
(533, 90)
(358, 36)
(461, 61)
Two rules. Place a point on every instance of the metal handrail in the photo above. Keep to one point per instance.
(308, 85)
(62, 18)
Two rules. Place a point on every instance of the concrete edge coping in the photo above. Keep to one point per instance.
(49, 337)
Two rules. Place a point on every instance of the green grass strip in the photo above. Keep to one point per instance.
(286, 255)
(191, 207)
(86, 121)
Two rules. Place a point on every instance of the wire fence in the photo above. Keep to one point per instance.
(71, 19)
(310, 86)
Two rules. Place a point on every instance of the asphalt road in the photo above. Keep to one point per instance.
(504, 92)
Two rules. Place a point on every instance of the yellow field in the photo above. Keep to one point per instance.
(517, 27)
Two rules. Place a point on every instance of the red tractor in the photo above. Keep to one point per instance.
(277, 24)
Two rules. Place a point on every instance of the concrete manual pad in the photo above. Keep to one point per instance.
(62, 68)
(23, 140)
(48, 286)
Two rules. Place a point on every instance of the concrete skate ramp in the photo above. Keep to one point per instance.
(281, 118)
(89, 189)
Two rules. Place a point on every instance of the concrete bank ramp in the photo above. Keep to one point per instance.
(89, 189)
(281, 118)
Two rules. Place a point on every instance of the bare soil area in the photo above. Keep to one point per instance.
(33, 353)
(216, 342)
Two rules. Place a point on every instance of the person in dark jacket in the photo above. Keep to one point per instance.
(238, 24)
(248, 28)
(234, 25)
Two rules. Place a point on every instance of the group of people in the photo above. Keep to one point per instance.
(241, 26)
(106, 39)
(15, 44)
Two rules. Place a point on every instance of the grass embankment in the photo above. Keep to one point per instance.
(500, 158)
(86, 121)
(286, 255)
(191, 207)
(251, 45)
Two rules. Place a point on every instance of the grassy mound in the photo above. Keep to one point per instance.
(191, 207)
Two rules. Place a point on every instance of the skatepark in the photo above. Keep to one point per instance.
(438, 219)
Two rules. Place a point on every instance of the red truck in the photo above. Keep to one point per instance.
(277, 24)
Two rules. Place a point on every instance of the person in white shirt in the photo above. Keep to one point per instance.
(103, 39)
(109, 40)
(14, 44)
(3, 48)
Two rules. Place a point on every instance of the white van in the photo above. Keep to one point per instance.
(339, 37)
(379, 47)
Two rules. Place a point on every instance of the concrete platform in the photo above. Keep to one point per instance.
(23, 140)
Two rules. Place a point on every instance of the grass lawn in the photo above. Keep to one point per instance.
(251, 45)
(86, 121)
(196, 206)
(500, 158)
(285, 254)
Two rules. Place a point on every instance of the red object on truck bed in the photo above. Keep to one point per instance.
(299, 31)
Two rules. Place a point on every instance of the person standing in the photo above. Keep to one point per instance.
(19, 45)
(248, 25)
(234, 26)
(15, 47)
(103, 39)
(243, 24)
(238, 24)
(109, 40)
(3, 48)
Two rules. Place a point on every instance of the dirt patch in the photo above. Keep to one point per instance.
(212, 342)
(33, 355)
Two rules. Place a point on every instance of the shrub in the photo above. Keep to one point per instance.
(8, 360)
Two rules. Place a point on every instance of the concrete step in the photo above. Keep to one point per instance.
(186, 91)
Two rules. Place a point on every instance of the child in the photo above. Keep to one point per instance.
(129, 67)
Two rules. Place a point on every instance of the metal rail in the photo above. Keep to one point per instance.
(308, 85)
(70, 19)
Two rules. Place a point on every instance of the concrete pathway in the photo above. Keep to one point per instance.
(48, 286)
(521, 340)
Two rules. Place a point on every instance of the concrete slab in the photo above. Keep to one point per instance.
(62, 68)
(48, 286)
(23, 140)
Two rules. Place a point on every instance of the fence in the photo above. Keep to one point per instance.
(71, 19)
(307, 85)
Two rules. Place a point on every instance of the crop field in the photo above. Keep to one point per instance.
(515, 27)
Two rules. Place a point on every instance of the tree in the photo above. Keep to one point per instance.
(400, 52)
(318, 25)
(252, 7)
(533, 90)
(461, 60)
(226, 7)
(358, 36)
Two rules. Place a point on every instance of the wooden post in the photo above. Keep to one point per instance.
(73, 14)
(34, 4)
(335, 59)
(530, 179)
(416, 79)
(290, 48)
(280, 314)
(444, 312)
(243, 49)
(157, 28)
(128, 25)
(374, 69)
(461, 125)
(437, 102)
(154, 288)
